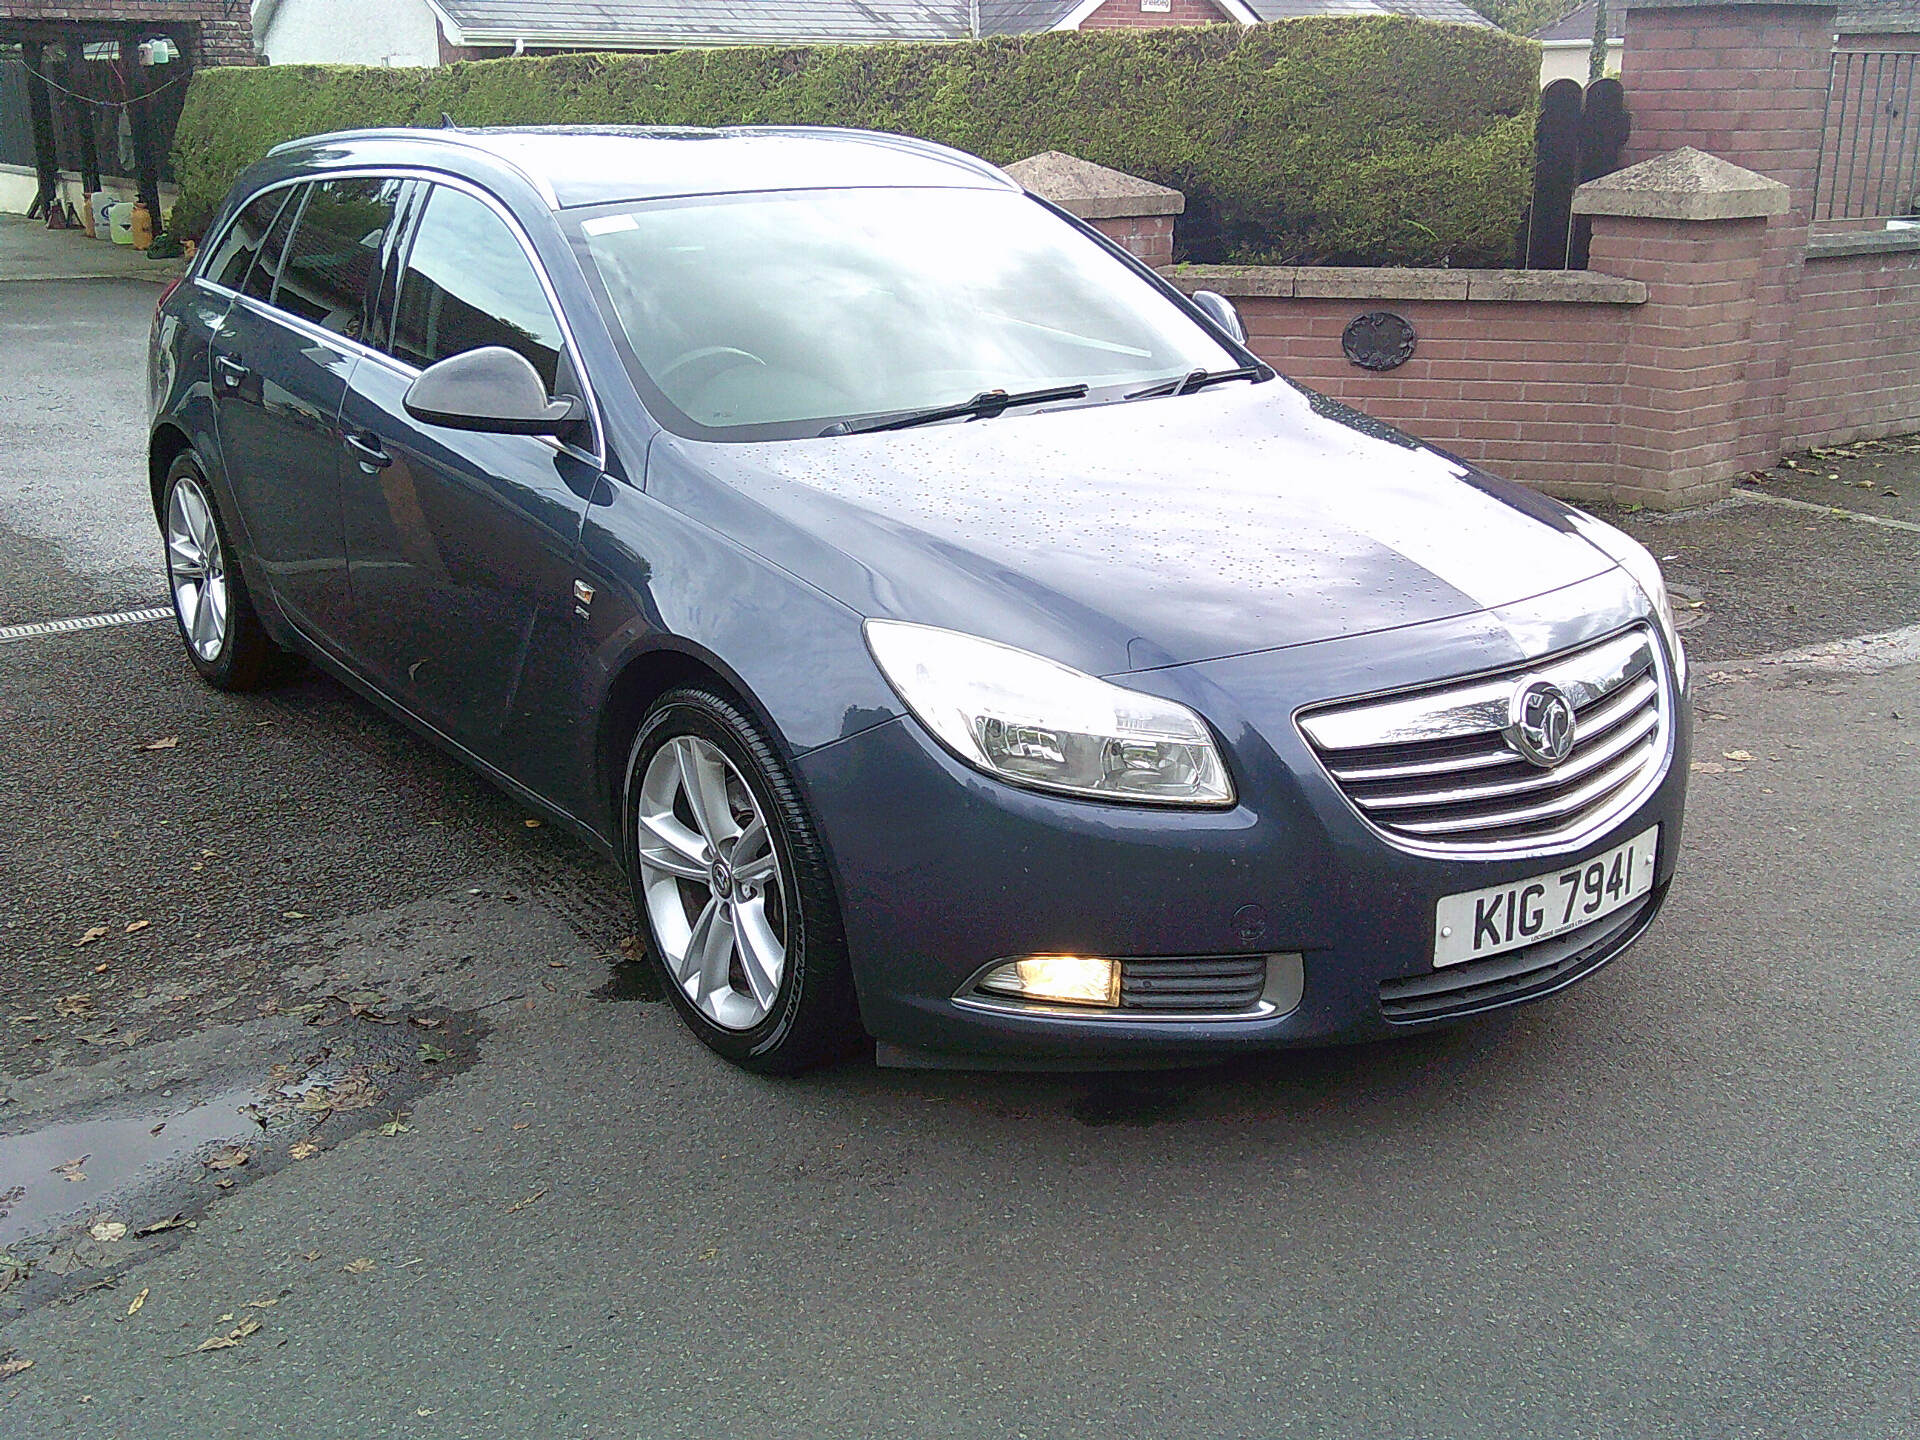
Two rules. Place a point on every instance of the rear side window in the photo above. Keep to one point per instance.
(468, 283)
(335, 252)
(228, 265)
(266, 264)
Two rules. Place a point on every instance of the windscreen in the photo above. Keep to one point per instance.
(778, 315)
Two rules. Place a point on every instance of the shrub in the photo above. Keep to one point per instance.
(1375, 140)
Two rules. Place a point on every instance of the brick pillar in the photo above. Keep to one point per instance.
(1746, 81)
(1695, 230)
(1134, 213)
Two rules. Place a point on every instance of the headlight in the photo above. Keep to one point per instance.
(1638, 562)
(1039, 723)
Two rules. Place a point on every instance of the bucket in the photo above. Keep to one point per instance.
(120, 222)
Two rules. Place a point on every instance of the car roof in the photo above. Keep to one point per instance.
(572, 165)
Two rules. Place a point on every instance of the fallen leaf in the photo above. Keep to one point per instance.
(309, 1256)
(520, 1205)
(165, 742)
(1708, 767)
(393, 1127)
(531, 824)
(138, 925)
(266, 1304)
(172, 1223)
(108, 1230)
(233, 1337)
(522, 1124)
(231, 1158)
(1735, 755)
(358, 1267)
(432, 1054)
(711, 1253)
(139, 1300)
(13, 1367)
(71, 1170)
(303, 1150)
(425, 1022)
(293, 915)
(74, 1004)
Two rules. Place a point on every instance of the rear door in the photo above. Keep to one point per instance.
(462, 543)
(280, 368)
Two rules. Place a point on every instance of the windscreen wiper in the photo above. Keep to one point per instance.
(1196, 380)
(984, 406)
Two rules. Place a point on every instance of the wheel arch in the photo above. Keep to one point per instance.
(642, 680)
(166, 445)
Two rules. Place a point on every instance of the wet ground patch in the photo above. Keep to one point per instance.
(89, 1192)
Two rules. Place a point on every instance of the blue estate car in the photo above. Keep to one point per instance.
(958, 633)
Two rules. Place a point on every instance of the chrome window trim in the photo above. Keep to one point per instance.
(598, 455)
(1471, 715)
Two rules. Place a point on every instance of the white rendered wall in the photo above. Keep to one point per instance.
(351, 32)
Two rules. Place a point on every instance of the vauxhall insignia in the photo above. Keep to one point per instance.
(1540, 722)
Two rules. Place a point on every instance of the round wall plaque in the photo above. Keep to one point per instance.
(1377, 340)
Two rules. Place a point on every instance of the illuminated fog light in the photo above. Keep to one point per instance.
(1062, 979)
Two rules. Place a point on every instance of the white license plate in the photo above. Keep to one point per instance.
(1525, 912)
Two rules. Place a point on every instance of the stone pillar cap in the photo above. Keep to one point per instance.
(1093, 192)
(1683, 184)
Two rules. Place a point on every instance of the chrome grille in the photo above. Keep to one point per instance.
(1433, 770)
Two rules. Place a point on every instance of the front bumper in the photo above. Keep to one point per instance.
(942, 869)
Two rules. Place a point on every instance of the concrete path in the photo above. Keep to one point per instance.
(30, 251)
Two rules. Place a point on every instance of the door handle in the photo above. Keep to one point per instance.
(366, 449)
(230, 369)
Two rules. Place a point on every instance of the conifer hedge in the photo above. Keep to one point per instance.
(1361, 141)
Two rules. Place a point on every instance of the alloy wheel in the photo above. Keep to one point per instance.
(196, 568)
(711, 882)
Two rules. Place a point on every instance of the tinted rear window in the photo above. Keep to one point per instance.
(335, 251)
(266, 264)
(229, 264)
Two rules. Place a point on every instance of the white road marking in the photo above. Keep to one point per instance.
(1861, 516)
(83, 622)
(1859, 655)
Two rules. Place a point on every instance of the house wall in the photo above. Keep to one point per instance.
(1569, 62)
(1134, 15)
(351, 32)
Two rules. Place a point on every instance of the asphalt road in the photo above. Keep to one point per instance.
(1677, 1201)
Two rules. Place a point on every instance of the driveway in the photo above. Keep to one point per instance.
(472, 1178)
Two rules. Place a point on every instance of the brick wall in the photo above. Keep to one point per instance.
(1127, 14)
(1856, 369)
(214, 32)
(1147, 237)
(1527, 386)
(1747, 83)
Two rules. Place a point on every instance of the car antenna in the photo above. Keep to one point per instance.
(446, 121)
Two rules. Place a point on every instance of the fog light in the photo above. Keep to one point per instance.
(1064, 979)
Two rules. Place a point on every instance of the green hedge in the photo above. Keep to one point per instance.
(1368, 141)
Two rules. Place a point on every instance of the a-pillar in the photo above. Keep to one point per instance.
(1695, 230)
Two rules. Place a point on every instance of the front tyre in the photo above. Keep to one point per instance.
(731, 884)
(223, 635)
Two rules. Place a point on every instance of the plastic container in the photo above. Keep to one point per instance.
(120, 222)
(102, 203)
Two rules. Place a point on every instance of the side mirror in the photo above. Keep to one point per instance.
(1220, 310)
(492, 389)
